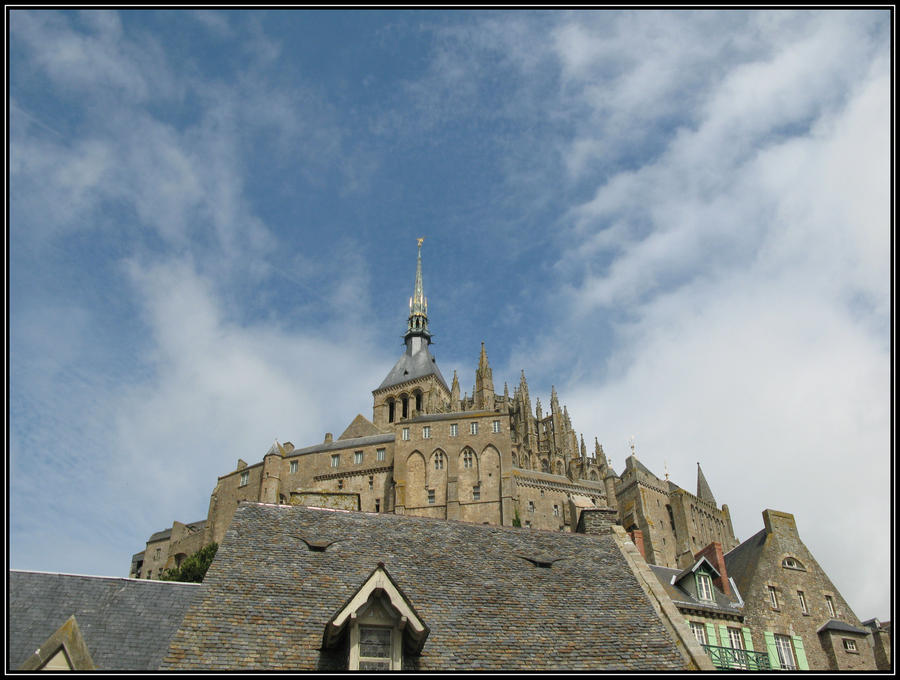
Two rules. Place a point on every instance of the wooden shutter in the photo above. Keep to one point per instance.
(800, 652)
(711, 635)
(772, 650)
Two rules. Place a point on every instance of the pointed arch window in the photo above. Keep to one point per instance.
(439, 460)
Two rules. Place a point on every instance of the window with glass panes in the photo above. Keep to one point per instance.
(374, 648)
(704, 587)
(785, 652)
(699, 631)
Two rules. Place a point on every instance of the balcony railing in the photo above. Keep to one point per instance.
(727, 658)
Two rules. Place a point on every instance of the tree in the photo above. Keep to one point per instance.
(194, 567)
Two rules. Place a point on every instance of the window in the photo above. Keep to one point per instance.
(245, 478)
(849, 645)
(495, 426)
(785, 652)
(439, 460)
(542, 493)
(530, 506)
(704, 587)
(357, 457)
(476, 493)
(379, 454)
(430, 496)
(773, 597)
(294, 466)
(340, 484)
(156, 557)
(527, 524)
(426, 432)
(371, 481)
(468, 459)
(791, 563)
(377, 505)
(803, 607)
(406, 434)
(699, 631)
(473, 428)
(735, 638)
(556, 511)
(374, 648)
(454, 430)
(830, 602)
(335, 460)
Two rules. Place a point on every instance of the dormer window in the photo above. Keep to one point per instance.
(704, 587)
(381, 624)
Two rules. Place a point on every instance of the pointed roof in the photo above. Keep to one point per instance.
(418, 304)
(360, 427)
(703, 490)
(417, 361)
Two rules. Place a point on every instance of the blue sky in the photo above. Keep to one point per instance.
(681, 220)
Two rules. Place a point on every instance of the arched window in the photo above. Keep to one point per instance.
(545, 466)
(418, 401)
(405, 400)
(468, 458)
(390, 404)
(439, 460)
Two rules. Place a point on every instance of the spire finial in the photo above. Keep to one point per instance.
(418, 303)
(631, 441)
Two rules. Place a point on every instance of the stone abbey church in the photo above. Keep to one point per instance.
(488, 458)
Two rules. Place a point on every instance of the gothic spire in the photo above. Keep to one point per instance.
(703, 490)
(418, 305)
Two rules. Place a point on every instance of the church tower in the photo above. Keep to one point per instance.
(414, 385)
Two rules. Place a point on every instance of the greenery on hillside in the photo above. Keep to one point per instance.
(194, 567)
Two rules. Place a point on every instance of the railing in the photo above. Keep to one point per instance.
(727, 658)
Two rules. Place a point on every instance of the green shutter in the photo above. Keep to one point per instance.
(724, 637)
(799, 651)
(773, 652)
(711, 635)
(748, 640)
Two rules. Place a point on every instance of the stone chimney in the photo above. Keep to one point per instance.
(329, 437)
(713, 553)
(597, 521)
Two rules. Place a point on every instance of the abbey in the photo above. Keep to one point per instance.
(487, 458)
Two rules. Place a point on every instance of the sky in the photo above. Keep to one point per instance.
(681, 220)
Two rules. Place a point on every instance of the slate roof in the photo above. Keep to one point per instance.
(840, 626)
(339, 444)
(267, 597)
(126, 623)
(726, 604)
(411, 366)
(740, 561)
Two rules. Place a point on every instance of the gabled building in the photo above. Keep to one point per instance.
(297, 588)
(69, 622)
(792, 608)
(711, 605)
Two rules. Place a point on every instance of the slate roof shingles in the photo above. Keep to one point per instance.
(126, 623)
(267, 597)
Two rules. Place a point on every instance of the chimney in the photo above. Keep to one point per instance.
(637, 537)
(596, 521)
(713, 553)
(329, 437)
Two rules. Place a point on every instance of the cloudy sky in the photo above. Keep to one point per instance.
(680, 219)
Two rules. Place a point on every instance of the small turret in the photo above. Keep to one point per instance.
(454, 393)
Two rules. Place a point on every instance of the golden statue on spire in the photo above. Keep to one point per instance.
(419, 240)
